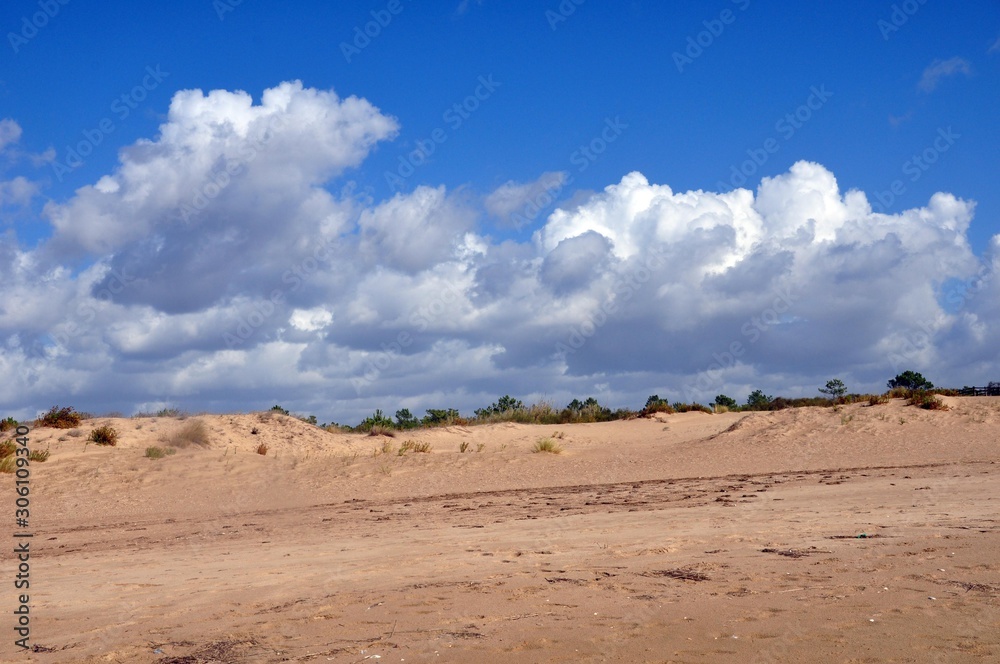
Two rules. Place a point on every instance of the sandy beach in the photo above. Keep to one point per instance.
(868, 534)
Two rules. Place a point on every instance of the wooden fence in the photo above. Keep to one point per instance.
(991, 390)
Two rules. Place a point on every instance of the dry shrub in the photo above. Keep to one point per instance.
(8, 424)
(59, 418)
(158, 452)
(104, 435)
(900, 393)
(262, 449)
(7, 448)
(8, 464)
(878, 399)
(193, 433)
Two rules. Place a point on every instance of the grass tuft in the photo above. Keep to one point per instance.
(546, 445)
(193, 433)
(7, 448)
(381, 430)
(39, 455)
(159, 452)
(415, 447)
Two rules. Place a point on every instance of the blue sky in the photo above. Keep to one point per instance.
(896, 100)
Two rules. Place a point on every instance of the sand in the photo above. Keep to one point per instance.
(685, 538)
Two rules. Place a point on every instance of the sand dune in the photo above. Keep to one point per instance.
(685, 538)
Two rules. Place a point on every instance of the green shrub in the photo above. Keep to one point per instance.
(757, 400)
(727, 402)
(440, 417)
(376, 419)
(691, 407)
(878, 399)
(926, 400)
(501, 406)
(158, 452)
(654, 404)
(405, 419)
(8, 424)
(278, 409)
(910, 380)
(104, 435)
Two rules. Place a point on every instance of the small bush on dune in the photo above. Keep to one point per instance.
(381, 430)
(546, 445)
(158, 452)
(376, 419)
(104, 435)
(262, 449)
(878, 399)
(926, 400)
(415, 447)
(39, 455)
(691, 408)
(60, 418)
(193, 433)
(7, 448)
(8, 464)
(654, 404)
(899, 393)
(910, 380)
(8, 424)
